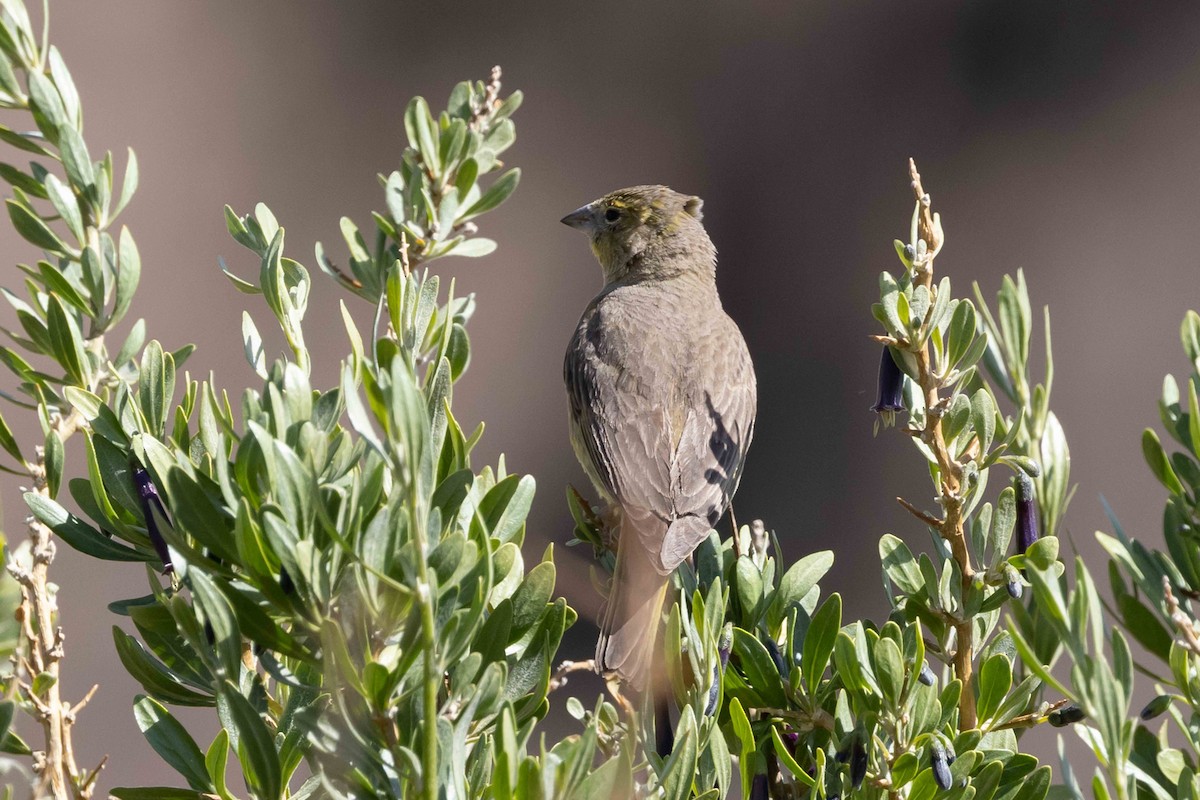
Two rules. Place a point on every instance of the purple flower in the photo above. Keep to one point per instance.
(891, 389)
(941, 765)
(151, 505)
(1027, 513)
(858, 763)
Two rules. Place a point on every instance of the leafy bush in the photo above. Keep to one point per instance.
(331, 574)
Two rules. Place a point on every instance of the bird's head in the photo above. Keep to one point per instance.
(646, 232)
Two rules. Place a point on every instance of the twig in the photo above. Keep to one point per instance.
(1183, 624)
(799, 719)
(925, 517)
(950, 471)
(565, 668)
(1033, 718)
(58, 775)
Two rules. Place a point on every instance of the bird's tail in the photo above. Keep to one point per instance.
(629, 627)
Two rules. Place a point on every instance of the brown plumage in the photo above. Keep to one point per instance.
(662, 402)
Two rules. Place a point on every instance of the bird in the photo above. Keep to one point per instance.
(662, 397)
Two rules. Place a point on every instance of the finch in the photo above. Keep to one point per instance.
(662, 402)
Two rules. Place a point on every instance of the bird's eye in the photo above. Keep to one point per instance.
(612, 215)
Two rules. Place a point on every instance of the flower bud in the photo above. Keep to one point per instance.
(725, 644)
(664, 734)
(1012, 582)
(891, 389)
(926, 676)
(285, 581)
(151, 504)
(776, 657)
(941, 767)
(714, 692)
(1062, 717)
(858, 763)
(1155, 707)
(1027, 513)
(759, 788)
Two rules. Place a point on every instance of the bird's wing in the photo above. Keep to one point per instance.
(712, 449)
(619, 426)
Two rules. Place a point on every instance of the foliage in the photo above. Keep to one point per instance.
(330, 572)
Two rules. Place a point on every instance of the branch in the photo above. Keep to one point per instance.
(950, 472)
(1187, 631)
(59, 776)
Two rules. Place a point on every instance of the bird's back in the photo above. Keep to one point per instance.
(663, 398)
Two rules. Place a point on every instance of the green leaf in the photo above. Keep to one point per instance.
(78, 534)
(496, 194)
(505, 506)
(129, 185)
(9, 442)
(758, 667)
(156, 386)
(215, 761)
(256, 747)
(530, 600)
(129, 273)
(1160, 465)
(995, 679)
(889, 669)
(819, 641)
(76, 161)
(748, 586)
(67, 341)
(152, 675)
(900, 566)
(801, 577)
(1044, 552)
(46, 104)
(680, 769)
(63, 199)
(983, 419)
(54, 455)
(172, 742)
(474, 248)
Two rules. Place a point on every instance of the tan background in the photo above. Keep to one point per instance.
(1061, 140)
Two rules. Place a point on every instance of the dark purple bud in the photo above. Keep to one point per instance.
(941, 767)
(285, 581)
(891, 388)
(791, 740)
(776, 657)
(759, 788)
(1012, 582)
(714, 692)
(1027, 513)
(1156, 706)
(664, 734)
(148, 494)
(725, 645)
(858, 763)
(927, 677)
(1067, 715)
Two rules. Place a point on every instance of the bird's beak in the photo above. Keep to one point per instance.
(580, 218)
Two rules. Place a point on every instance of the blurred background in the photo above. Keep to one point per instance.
(1059, 138)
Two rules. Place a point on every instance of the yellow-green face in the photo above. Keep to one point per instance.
(621, 224)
